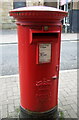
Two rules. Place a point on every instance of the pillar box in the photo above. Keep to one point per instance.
(39, 38)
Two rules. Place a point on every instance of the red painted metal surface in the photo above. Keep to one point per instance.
(38, 81)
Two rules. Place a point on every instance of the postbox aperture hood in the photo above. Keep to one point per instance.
(38, 13)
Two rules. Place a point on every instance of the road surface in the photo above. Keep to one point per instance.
(9, 57)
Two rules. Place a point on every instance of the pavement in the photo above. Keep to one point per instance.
(67, 99)
(70, 36)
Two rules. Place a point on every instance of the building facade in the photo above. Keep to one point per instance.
(74, 18)
(6, 5)
(71, 23)
(4, 16)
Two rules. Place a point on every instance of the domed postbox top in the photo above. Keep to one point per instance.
(38, 13)
(37, 8)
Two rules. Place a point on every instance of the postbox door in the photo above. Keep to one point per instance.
(47, 82)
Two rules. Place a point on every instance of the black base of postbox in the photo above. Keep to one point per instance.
(49, 115)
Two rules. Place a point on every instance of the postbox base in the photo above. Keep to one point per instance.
(48, 115)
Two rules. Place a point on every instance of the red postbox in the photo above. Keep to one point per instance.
(39, 37)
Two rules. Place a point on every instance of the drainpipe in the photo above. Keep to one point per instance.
(58, 4)
(66, 17)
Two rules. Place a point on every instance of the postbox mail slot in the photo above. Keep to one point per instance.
(43, 37)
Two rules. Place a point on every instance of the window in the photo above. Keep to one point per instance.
(19, 3)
